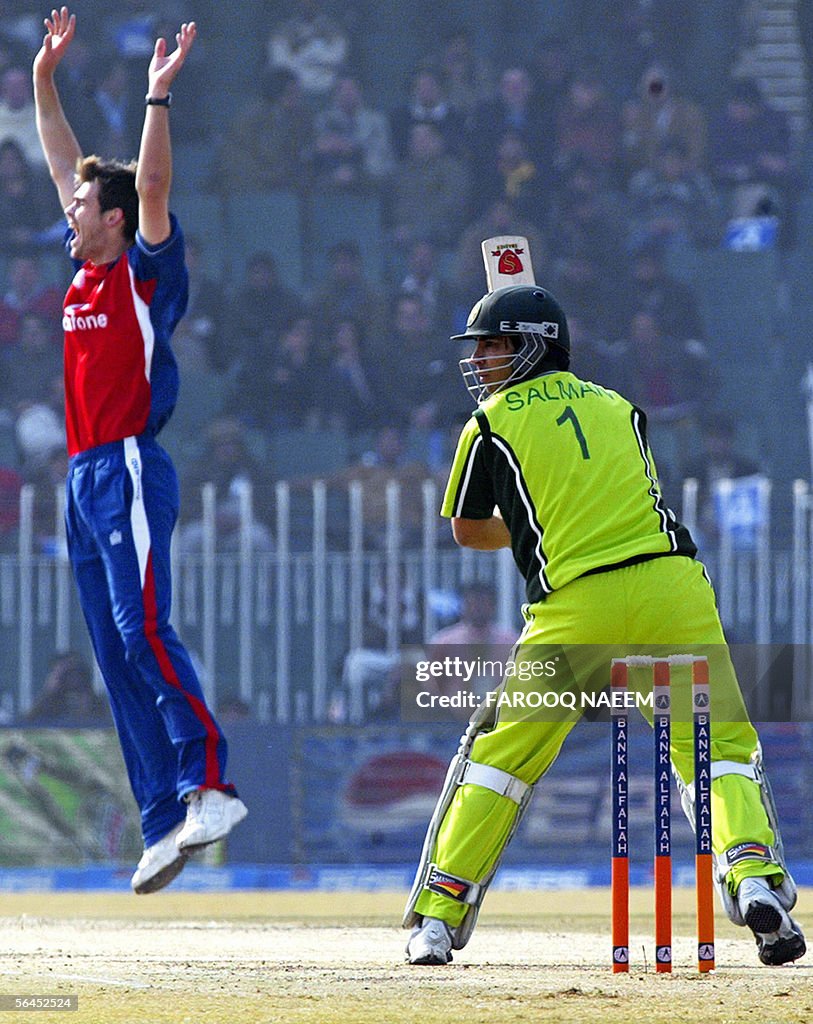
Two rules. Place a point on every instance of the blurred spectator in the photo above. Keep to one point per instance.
(445, 453)
(28, 292)
(352, 390)
(347, 294)
(116, 119)
(266, 145)
(198, 341)
(351, 143)
(552, 71)
(428, 394)
(430, 191)
(665, 379)
(427, 104)
(654, 290)
(281, 383)
(48, 478)
(581, 283)
(373, 678)
(465, 75)
(11, 53)
(474, 636)
(30, 366)
(40, 426)
(717, 460)
(197, 105)
(259, 313)
(476, 624)
(226, 463)
(671, 381)
(68, 699)
(78, 77)
(27, 208)
(514, 108)
(10, 484)
(641, 32)
(587, 125)
(750, 154)
(586, 216)
(17, 120)
(388, 460)
(659, 115)
(594, 357)
(516, 177)
(671, 203)
(312, 45)
(499, 218)
(132, 28)
(424, 279)
(21, 28)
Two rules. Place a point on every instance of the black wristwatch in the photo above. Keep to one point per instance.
(152, 101)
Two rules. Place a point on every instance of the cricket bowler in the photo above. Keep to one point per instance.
(128, 292)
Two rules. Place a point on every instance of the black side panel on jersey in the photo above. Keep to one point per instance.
(681, 539)
(514, 501)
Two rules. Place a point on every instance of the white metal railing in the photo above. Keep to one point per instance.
(272, 627)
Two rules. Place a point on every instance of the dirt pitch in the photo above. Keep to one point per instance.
(258, 958)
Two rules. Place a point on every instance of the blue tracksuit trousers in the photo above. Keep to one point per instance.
(122, 505)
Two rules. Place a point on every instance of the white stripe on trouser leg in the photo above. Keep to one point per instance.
(138, 513)
(494, 779)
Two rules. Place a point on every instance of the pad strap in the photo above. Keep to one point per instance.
(719, 768)
(495, 779)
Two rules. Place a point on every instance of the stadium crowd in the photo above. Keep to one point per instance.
(610, 182)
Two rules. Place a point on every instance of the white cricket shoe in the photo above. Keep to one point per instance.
(210, 815)
(159, 864)
(779, 938)
(430, 942)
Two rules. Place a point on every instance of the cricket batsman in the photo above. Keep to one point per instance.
(559, 470)
(128, 292)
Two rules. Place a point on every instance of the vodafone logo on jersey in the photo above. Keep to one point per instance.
(75, 321)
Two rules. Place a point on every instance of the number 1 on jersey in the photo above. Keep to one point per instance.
(569, 415)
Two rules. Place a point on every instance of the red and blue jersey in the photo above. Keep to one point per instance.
(121, 378)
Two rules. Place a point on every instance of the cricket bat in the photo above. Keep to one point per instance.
(507, 260)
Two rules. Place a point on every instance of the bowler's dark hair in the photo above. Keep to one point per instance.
(117, 188)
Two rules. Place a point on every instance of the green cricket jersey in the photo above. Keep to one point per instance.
(567, 463)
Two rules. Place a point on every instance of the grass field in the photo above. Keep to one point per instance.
(337, 958)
